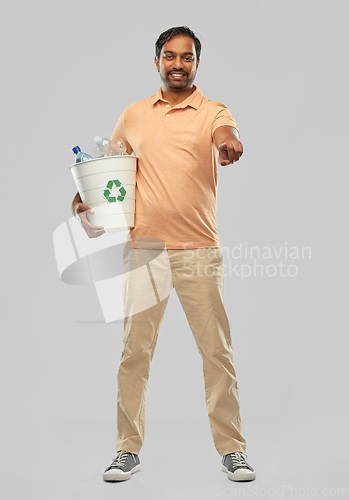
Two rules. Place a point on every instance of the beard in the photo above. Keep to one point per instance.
(177, 85)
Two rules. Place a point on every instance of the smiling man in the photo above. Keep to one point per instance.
(178, 66)
(176, 135)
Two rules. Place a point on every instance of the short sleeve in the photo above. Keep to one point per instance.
(223, 117)
(119, 132)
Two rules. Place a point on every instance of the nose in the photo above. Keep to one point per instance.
(177, 63)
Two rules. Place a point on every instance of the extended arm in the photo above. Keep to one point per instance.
(227, 142)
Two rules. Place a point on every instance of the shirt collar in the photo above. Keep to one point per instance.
(194, 100)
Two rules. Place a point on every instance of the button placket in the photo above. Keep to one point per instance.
(167, 114)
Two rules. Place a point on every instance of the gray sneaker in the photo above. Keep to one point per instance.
(237, 468)
(122, 466)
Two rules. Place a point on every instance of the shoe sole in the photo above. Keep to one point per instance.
(239, 475)
(119, 475)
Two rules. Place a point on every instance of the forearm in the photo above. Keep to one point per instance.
(76, 201)
(233, 134)
(224, 134)
(227, 142)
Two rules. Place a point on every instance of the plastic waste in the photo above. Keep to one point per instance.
(101, 143)
(80, 156)
(116, 147)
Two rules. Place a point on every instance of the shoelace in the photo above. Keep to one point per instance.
(120, 459)
(238, 459)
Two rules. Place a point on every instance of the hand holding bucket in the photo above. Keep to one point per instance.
(106, 185)
(80, 213)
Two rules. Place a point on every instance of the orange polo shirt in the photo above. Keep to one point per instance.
(176, 191)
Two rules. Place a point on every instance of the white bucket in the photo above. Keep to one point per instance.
(108, 186)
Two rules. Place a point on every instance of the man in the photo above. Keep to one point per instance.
(176, 135)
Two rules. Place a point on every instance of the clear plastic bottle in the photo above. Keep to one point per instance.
(101, 143)
(116, 147)
(80, 156)
(119, 147)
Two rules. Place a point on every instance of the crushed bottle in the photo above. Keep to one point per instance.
(116, 147)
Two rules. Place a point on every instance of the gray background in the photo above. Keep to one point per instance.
(69, 69)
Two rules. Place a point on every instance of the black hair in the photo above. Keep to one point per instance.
(179, 30)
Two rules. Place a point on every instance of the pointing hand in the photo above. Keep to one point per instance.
(229, 152)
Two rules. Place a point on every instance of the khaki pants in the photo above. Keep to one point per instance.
(197, 276)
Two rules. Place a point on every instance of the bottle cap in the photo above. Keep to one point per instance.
(76, 150)
(98, 140)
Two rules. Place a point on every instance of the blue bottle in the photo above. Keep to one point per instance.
(80, 156)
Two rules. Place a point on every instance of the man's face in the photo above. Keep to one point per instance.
(178, 63)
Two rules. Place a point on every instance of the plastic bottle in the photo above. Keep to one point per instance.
(116, 147)
(101, 143)
(80, 156)
(119, 147)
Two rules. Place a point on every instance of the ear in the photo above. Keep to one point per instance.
(156, 60)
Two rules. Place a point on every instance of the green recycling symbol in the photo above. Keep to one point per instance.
(107, 192)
